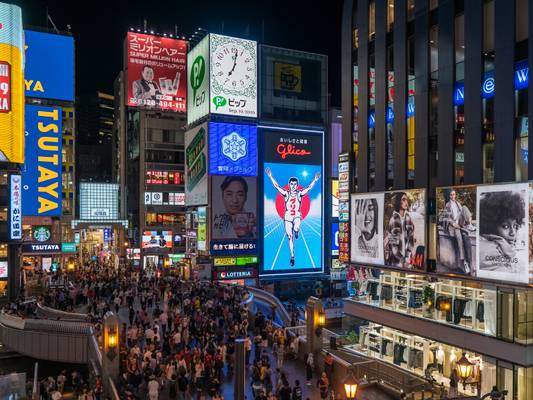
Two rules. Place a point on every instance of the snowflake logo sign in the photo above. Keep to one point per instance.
(234, 146)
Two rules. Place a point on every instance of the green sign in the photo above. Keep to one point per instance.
(196, 161)
(41, 233)
(246, 260)
(176, 257)
(68, 247)
(202, 228)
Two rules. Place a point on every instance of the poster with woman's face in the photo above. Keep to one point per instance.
(502, 240)
(366, 228)
(456, 230)
(404, 229)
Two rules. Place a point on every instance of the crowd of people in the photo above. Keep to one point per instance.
(178, 338)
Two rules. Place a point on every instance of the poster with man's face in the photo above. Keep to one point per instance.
(367, 228)
(404, 229)
(456, 230)
(502, 241)
(234, 201)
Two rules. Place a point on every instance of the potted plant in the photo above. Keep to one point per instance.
(428, 298)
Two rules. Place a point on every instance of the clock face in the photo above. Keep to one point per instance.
(233, 67)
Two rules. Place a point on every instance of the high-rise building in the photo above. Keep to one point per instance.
(435, 95)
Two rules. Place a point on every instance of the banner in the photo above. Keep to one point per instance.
(234, 205)
(292, 203)
(49, 70)
(502, 243)
(456, 230)
(367, 228)
(11, 84)
(156, 72)
(41, 175)
(233, 76)
(404, 229)
(232, 149)
(196, 166)
(198, 81)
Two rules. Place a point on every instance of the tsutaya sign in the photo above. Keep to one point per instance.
(41, 177)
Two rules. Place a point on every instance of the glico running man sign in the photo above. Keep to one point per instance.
(292, 202)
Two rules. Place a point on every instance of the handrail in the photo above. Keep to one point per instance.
(36, 385)
(261, 294)
(59, 314)
(114, 390)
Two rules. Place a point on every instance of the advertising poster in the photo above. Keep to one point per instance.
(404, 229)
(334, 198)
(11, 85)
(157, 239)
(196, 166)
(49, 69)
(293, 186)
(156, 72)
(198, 81)
(3, 269)
(294, 85)
(15, 207)
(232, 149)
(456, 230)
(335, 239)
(233, 76)
(202, 229)
(367, 228)
(502, 241)
(234, 205)
(41, 174)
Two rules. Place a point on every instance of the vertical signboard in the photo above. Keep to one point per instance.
(41, 176)
(232, 149)
(15, 207)
(233, 76)
(11, 84)
(49, 70)
(196, 184)
(343, 193)
(293, 209)
(198, 81)
(156, 72)
(202, 229)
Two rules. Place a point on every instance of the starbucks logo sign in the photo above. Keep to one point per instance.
(41, 233)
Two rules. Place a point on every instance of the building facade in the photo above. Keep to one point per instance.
(435, 95)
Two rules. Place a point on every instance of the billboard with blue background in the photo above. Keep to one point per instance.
(41, 174)
(49, 72)
(292, 203)
(232, 149)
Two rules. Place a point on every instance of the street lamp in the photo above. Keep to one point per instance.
(320, 322)
(350, 387)
(126, 244)
(464, 368)
(112, 342)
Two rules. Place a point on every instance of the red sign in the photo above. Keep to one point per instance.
(5, 87)
(157, 72)
(291, 150)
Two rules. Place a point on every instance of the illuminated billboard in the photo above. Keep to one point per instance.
(292, 202)
(156, 72)
(11, 84)
(41, 174)
(232, 149)
(15, 207)
(99, 201)
(49, 71)
(233, 76)
(157, 239)
(196, 166)
(198, 81)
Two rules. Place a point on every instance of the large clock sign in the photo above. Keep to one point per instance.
(233, 76)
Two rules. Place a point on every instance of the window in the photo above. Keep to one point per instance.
(372, 20)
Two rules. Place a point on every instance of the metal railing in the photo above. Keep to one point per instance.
(52, 313)
(269, 298)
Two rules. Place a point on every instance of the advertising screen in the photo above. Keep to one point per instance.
(233, 76)
(198, 81)
(99, 201)
(11, 84)
(334, 198)
(335, 239)
(156, 72)
(41, 174)
(232, 149)
(157, 239)
(202, 229)
(164, 178)
(196, 184)
(294, 85)
(234, 205)
(49, 71)
(293, 186)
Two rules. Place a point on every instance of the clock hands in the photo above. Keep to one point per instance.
(234, 63)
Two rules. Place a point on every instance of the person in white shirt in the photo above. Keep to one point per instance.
(153, 388)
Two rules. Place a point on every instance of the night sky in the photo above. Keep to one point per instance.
(99, 28)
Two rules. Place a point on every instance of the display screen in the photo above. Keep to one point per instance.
(164, 178)
(157, 239)
(292, 203)
(335, 239)
(156, 72)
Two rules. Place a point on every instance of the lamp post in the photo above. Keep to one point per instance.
(350, 387)
(320, 321)
(464, 369)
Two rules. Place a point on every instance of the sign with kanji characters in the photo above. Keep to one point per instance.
(157, 72)
(15, 209)
(230, 247)
(198, 81)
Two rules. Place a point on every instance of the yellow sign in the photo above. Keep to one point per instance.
(288, 77)
(224, 261)
(11, 85)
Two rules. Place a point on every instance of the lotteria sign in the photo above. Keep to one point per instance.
(243, 274)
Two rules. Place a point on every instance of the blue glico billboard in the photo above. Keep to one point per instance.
(49, 71)
(41, 175)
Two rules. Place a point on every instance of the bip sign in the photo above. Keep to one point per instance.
(41, 177)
